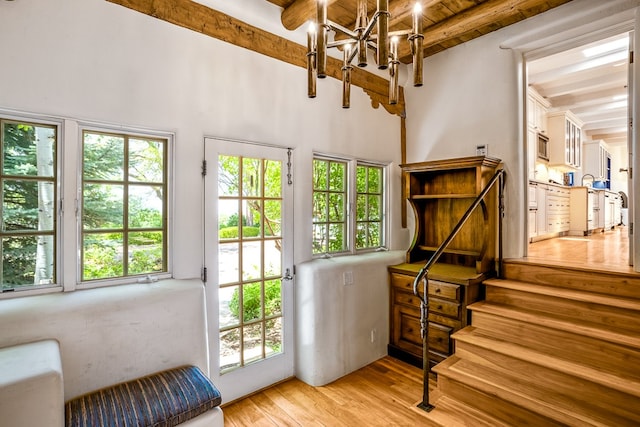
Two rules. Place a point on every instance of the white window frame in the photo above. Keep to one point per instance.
(91, 127)
(69, 198)
(351, 194)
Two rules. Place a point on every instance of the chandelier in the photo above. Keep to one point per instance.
(356, 42)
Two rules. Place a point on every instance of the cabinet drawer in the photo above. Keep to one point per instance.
(406, 334)
(406, 298)
(446, 308)
(444, 290)
(405, 331)
(439, 338)
(402, 281)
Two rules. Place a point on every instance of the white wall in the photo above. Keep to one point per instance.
(470, 97)
(91, 60)
(94, 60)
(474, 93)
(110, 335)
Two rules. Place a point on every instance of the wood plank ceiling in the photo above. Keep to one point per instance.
(446, 23)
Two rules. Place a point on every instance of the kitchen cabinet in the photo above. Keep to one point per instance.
(557, 209)
(597, 161)
(593, 209)
(584, 218)
(532, 221)
(565, 140)
(612, 210)
(551, 214)
(537, 108)
(440, 192)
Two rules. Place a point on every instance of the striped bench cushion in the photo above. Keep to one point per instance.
(163, 399)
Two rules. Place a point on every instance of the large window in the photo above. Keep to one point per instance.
(29, 208)
(348, 206)
(124, 206)
(115, 206)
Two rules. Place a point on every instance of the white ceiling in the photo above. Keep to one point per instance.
(591, 81)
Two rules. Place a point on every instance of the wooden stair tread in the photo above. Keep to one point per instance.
(623, 284)
(518, 390)
(449, 412)
(571, 294)
(596, 352)
(625, 385)
(556, 322)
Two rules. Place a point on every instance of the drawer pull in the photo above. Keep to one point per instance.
(440, 307)
(438, 290)
(410, 300)
(409, 330)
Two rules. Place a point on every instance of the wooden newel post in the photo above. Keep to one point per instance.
(424, 332)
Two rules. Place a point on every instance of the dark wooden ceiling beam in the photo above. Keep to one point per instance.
(197, 17)
(491, 11)
(300, 12)
(401, 9)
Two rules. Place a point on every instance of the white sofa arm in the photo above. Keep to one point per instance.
(31, 388)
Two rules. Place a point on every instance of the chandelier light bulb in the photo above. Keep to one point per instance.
(368, 34)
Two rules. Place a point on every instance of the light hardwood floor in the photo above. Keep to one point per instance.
(384, 393)
(607, 251)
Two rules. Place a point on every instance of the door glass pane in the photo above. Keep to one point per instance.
(250, 259)
(272, 218)
(229, 349)
(251, 218)
(253, 343)
(274, 336)
(252, 301)
(228, 173)
(273, 260)
(228, 306)
(228, 263)
(251, 177)
(272, 183)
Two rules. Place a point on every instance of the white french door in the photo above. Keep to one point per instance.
(249, 261)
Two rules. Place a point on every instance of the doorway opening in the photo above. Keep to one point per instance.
(578, 156)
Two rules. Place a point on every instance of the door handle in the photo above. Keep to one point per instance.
(287, 275)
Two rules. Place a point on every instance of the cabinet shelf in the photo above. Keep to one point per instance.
(450, 251)
(440, 193)
(443, 196)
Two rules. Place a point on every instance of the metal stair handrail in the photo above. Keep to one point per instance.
(423, 276)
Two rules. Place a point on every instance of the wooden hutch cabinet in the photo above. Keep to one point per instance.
(440, 192)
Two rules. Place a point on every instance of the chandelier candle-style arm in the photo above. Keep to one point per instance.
(416, 40)
(346, 77)
(393, 72)
(321, 45)
(383, 33)
(356, 42)
(361, 26)
(312, 72)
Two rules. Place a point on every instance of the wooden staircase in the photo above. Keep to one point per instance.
(549, 346)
